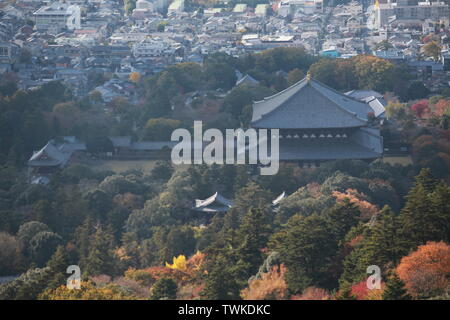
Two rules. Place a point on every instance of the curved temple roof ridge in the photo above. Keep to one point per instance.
(216, 197)
(309, 104)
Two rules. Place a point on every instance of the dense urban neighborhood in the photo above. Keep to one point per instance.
(91, 92)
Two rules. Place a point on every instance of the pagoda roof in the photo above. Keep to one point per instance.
(247, 79)
(215, 203)
(309, 104)
(49, 156)
(279, 198)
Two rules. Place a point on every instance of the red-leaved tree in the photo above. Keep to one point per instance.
(425, 271)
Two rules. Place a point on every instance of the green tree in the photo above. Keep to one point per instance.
(58, 265)
(426, 214)
(164, 289)
(295, 76)
(99, 202)
(11, 258)
(417, 90)
(432, 49)
(219, 75)
(308, 250)
(342, 217)
(160, 129)
(82, 240)
(252, 236)
(158, 104)
(395, 289)
(346, 293)
(386, 242)
(101, 258)
(251, 196)
(221, 282)
(99, 144)
(29, 229)
(43, 245)
(162, 170)
(26, 287)
(396, 110)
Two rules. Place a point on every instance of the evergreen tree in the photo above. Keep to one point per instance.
(395, 290)
(355, 265)
(58, 265)
(252, 237)
(83, 239)
(251, 196)
(308, 251)
(100, 259)
(426, 211)
(441, 207)
(346, 293)
(342, 217)
(163, 289)
(221, 283)
(386, 243)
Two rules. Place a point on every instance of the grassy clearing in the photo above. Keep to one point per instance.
(119, 166)
(404, 160)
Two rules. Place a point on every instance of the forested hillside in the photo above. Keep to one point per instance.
(134, 235)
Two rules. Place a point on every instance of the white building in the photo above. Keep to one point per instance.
(304, 6)
(409, 15)
(152, 47)
(176, 7)
(58, 16)
(261, 10)
(240, 8)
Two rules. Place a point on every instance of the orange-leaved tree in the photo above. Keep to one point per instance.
(270, 286)
(425, 271)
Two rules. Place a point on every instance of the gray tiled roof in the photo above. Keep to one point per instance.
(247, 79)
(49, 156)
(362, 94)
(153, 145)
(214, 203)
(118, 142)
(309, 104)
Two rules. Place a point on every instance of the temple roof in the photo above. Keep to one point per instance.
(360, 143)
(49, 156)
(279, 198)
(309, 104)
(325, 150)
(247, 79)
(215, 203)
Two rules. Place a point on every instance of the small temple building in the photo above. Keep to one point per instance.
(48, 159)
(318, 123)
(277, 200)
(214, 204)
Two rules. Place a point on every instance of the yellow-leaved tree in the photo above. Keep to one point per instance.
(179, 263)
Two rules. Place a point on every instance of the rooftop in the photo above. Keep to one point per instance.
(309, 104)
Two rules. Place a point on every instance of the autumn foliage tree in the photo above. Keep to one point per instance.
(426, 271)
(313, 293)
(271, 286)
(442, 107)
(366, 208)
(88, 291)
(420, 108)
